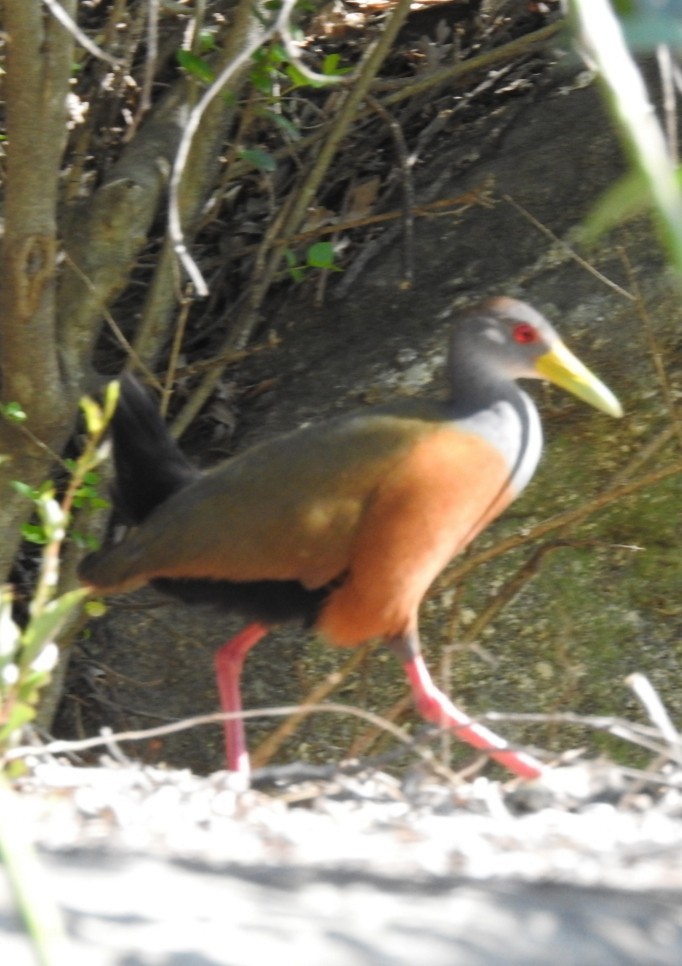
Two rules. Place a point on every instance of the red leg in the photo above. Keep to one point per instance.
(436, 707)
(229, 660)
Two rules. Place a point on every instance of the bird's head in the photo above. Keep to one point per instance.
(508, 339)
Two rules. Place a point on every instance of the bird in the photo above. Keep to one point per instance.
(344, 524)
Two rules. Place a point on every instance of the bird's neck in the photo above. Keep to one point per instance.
(474, 387)
(500, 412)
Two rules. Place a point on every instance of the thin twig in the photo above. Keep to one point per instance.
(574, 515)
(103, 741)
(176, 346)
(654, 348)
(567, 249)
(405, 168)
(278, 27)
(60, 14)
(270, 745)
(645, 692)
(402, 89)
(618, 727)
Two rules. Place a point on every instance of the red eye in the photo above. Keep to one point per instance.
(525, 333)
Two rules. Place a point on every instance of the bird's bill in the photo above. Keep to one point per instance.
(561, 367)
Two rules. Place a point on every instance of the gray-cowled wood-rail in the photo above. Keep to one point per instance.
(343, 525)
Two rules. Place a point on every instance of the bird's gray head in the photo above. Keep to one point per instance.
(504, 339)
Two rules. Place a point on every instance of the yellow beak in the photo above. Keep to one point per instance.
(562, 368)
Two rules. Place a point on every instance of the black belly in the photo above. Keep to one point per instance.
(266, 601)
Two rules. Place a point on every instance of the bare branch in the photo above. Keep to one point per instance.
(60, 14)
(279, 27)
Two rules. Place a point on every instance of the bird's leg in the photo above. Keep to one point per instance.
(433, 705)
(229, 660)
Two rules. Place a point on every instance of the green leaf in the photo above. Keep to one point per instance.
(295, 271)
(299, 79)
(85, 540)
(284, 123)
(625, 199)
(321, 255)
(196, 66)
(45, 626)
(259, 159)
(34, 533)
(111, 397)
(95, 608)
(31, 683)
(331, 66)
(23, 489)
(94, 420)
(13, 412)
(20, 715)
(277, 54)
(207, 40)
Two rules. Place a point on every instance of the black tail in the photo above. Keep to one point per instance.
(149, 464)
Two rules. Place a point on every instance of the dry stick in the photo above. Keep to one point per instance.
(516, 48)
(270, 745)
(619, 728)
(303, 197)
(442, 208)
(574, 515)
(60, 14)
(654, 348)
(350, 112)
(113, 325)
(635, 733)
(152, 53)
(656, 710)
(644, 454)
(405, 168)
(224, 359)
(65, 746)
(658, 715)
(293, 213)
(458, 73)
(567, 248)
(278, 27)
(236, 337)
(368, 70)
(171, 369)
